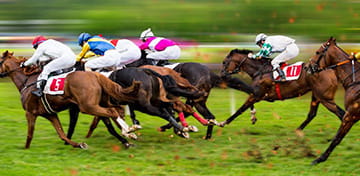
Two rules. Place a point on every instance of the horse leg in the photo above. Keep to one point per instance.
(93, 125)
(314, 105)
(334, 108)
(253, 113)
(205, 112)
(113, 132)
(31, 119)
(345, 127)
(74, 115)
(57, 125)
(249, 103)
(136, 123)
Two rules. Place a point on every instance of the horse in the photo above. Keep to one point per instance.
(331, 57)
(152, 97)
(87, 92)
(201, 77)
(323, 85)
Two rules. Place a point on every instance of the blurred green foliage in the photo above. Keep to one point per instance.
(199, 20)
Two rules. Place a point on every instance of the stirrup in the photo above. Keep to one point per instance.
(37, 92)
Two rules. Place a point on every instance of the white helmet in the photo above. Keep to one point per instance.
(260, 37)
(145, 34)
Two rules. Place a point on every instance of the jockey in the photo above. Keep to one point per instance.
(158, 49)
(59, 55)
(130, 52)
(276, 44)
(109, 55)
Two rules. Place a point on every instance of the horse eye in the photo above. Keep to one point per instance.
(317, 52)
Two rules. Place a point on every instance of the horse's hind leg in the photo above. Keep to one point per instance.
(93, 125)
(57, 125)
(314, 105)
(205, 112)
(112, 131)
(31, 119)
(74, 115)
(136, 123)
(345, 127)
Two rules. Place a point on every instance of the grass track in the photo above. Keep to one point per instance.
(268, 148)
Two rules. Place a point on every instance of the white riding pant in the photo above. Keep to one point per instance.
(129, 51)
(171, 52)
(65, 61)
(290, 52)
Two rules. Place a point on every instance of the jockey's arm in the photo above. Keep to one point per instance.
(35, 57)
(265, 51)
(85, 49)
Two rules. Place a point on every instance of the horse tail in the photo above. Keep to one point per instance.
(116, 91)
(162, 92)
(172, 87)
(231, 82)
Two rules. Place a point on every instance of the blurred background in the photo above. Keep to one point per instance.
(206, 29)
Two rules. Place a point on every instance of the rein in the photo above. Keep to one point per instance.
(237, 68)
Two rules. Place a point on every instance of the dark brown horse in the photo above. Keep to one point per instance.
(89, 92)
(323, 85)
(202, 78)
(331, 57)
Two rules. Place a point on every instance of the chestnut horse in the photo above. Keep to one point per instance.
(331, 57)
(89, 92)
(323, 85)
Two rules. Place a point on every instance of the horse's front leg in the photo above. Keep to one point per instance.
(249, 103)
(58, 127)
(31, 119)
(345, 127)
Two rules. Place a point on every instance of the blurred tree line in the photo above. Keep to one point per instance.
(198, 20)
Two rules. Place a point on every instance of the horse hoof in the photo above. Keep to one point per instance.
(193, 128)
(253, 121)
(317, 161)
(185, 135)
(186, 129)
(132, 136)
(83, 145)
(213, 122)
(135, 128)
(222, 124)
(128, 145)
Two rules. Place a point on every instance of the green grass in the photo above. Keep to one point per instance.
(268, 148)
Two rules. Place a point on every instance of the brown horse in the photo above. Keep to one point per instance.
(90, 92)
(331, 57)
(323, 85)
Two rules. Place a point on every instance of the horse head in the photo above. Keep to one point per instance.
(328, 55)
(233, 61)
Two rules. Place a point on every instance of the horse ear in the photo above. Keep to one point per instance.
(10, 53)
(5, 53)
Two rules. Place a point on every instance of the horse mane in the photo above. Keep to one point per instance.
(240, 51)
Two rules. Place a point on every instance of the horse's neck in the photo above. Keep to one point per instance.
(254, 67)
(19, 79)
(345, 73)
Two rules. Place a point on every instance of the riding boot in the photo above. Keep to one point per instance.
(281, 74)
(40, 88)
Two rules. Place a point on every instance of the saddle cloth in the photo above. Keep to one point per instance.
(55, 84)
(292, 72)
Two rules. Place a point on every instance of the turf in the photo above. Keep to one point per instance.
(270, 147)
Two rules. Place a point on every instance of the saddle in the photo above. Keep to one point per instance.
(292, 72)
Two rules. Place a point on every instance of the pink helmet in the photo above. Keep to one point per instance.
(37, 40)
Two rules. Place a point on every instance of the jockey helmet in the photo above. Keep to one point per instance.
(260, 37)
(83, 37)
(147, 33)
(37, 40)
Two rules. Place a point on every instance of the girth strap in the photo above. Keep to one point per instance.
(47, 105)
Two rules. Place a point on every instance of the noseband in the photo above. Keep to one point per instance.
(237, 67)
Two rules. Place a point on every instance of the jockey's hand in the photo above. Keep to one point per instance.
(250, 55)
(22, 64)
(147, 51)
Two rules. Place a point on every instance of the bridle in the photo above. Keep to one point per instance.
(6, 73)
(315, 68)
(237, 66)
